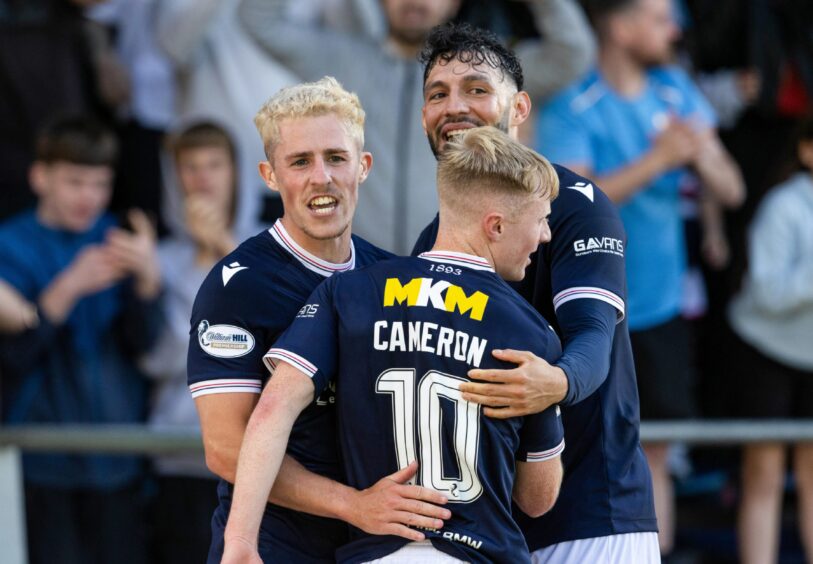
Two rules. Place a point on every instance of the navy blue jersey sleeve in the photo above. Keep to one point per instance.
(586, 253)
(587, 329)
(426, 240)
(542, 436)
(310, 342)
(588, 283)
(227, 335)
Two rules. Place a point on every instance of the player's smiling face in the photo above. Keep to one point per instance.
(460, 95)
(317, 167)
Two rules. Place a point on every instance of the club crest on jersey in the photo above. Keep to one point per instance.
(424, 292)
(224, 341)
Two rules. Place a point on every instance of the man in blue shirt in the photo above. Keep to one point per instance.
(578, 282)
(314, 139)
(397, 338)
(641, 129)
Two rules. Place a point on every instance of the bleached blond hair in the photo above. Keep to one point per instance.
(310, 99)
(484, 161)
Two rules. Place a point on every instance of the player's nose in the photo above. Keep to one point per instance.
(320, 173)
(455, 104)
(544, 233)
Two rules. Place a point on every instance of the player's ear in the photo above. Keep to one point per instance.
(423, 118)
(493, 226)
(267, 174)
(520, 108)
(365, 165)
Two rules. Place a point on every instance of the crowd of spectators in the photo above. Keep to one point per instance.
(128, 167)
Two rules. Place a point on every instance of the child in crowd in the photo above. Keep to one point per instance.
(205, 161)
(96, 287)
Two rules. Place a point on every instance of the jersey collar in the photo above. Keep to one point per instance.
(308, 260)
(458, 259)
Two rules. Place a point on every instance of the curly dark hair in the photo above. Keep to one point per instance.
(469, 44)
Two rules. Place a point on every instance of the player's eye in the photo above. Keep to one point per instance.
(478, 90)
(299, 162)
(436, 96)
(336, 159)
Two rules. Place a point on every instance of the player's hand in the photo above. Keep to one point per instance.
(391, 506)
(136, 253)
(240, 551)
(531, 387)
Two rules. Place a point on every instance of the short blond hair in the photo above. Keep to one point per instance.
(310, 99)
(486, 161)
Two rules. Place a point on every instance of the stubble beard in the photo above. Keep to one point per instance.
(501, 124)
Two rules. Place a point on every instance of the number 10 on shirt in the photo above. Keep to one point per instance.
(399, 383)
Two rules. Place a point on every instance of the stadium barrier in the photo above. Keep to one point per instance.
(140, 439)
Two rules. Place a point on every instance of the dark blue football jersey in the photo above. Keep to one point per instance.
(398, 338)
(247, 300)
(607, 488)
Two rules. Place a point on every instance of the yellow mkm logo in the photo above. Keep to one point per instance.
(423, 292)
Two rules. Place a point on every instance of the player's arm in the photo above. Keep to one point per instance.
(536, 486)
(534, 385)
(539, 462)
(264, 444)
(384, 508)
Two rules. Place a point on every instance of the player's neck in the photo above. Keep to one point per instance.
(457, 242)
(621, 71)
(335, 250)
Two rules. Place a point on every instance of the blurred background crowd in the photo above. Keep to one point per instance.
(128, 168)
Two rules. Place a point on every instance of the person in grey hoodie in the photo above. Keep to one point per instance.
(773, 318)
(399, 197)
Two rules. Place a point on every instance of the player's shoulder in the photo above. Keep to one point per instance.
(580, 199)
(367, 253)
(248, 271)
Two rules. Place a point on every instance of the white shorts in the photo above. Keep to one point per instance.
(629, 548)
(417, 553)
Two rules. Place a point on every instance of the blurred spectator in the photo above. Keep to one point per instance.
(753, 42)
(399, 198)
(16, 313)
(96, 287)
(206, 162)
(48, 55)
(142, 80)
(225, 77)
(641, 128)
(773, 318)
